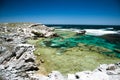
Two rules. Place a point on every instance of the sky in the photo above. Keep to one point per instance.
(100, 12)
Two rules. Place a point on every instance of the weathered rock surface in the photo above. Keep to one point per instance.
(43, 31)
(16, 57)
(16, 64)
(29, 30)
(38, 30)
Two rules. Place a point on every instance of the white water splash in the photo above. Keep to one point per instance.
(99, 32)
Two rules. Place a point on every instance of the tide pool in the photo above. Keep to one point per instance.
(84, 39)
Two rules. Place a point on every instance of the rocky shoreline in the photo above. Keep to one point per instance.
(17, 61)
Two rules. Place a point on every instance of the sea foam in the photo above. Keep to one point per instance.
(99, 32)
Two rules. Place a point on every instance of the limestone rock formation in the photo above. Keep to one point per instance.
(16, 64)
(42, 30)
(16, 57)
(29, 30)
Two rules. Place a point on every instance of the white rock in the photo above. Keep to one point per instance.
(88, 75)
(103, 67)
(38, 77)
(111, 72)
(85, 75)
(111, 67)
(2, 67)
(55, 75)
(71, 77)
(117, 70)
(99, 76)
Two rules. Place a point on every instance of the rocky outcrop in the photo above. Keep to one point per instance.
(38, 30)
(80, 32)
(29, 30)
(42, 31)
(17, 60)
(15, 65)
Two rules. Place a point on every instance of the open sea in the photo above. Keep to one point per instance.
(107, 36)
(115, 27)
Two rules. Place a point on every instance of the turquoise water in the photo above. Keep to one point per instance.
(85, 39)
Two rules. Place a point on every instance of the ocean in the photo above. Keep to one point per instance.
(107, 36)
(65, 26)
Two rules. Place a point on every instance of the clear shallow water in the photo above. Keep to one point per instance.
(86, 39)
(109, 41)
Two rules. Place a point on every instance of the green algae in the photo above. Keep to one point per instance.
(71, 60)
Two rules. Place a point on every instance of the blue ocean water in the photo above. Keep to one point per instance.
(65, 26)
(109, 41)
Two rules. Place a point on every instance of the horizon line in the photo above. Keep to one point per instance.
(63, 23)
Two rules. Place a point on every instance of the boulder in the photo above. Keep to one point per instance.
(111, 67)
(40, 30)
(79, 32)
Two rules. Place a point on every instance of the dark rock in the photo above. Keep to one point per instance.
(117, 50)
(117, 64)
(77, 77)
(19, 52)
(42, 60)
(8, 39)
(37, 34)
(6, 56)
(3, 29)
(2, 49)
(79, 32)
(113, 38)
